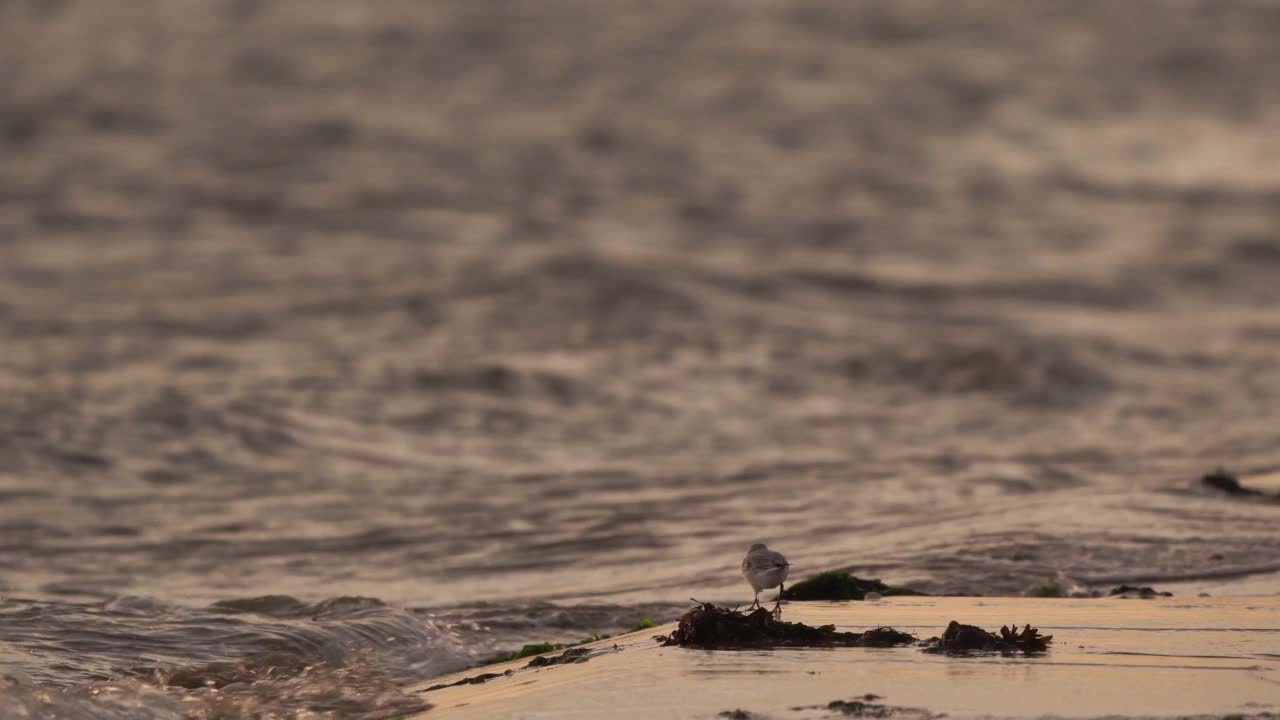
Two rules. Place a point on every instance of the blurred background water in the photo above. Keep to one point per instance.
(342, 345)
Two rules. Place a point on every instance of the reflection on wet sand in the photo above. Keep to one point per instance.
(1110, 657)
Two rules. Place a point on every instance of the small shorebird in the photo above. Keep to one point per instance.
(764, 568)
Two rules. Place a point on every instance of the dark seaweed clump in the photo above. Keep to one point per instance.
(867, 707)
(1225, 482)
(711, 626)
(959, 638)
(473, 680)
(1228, 483)
(572, 655)
(839, 585)
(1144, 592)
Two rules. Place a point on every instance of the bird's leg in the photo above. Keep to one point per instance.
(756, 603)
(777, 609)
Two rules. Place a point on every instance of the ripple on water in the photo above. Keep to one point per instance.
(346, 655)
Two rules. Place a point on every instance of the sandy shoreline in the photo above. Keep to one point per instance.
(1111, 657)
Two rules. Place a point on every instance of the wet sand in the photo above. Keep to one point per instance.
(1170, 657)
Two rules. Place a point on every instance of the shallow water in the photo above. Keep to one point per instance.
(523, 325)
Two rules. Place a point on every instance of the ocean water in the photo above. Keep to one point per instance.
(343, 346)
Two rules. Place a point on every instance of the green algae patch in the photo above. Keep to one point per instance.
(1048, 590)
(840, 585)
(526, 651)
(546, 647)
(710, 626)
